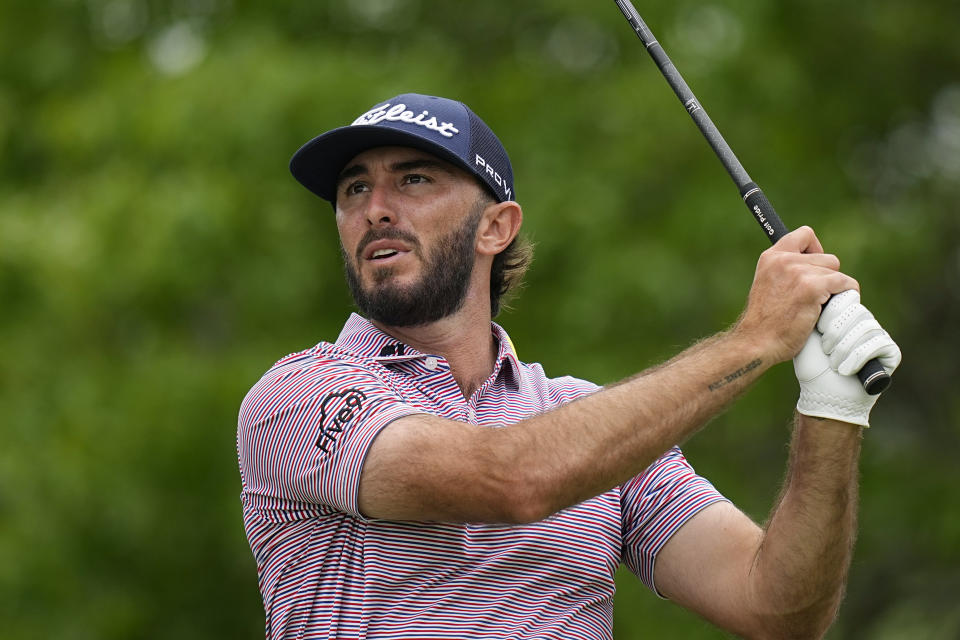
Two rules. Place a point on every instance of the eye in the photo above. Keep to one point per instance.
(415, 178)
(355, 187)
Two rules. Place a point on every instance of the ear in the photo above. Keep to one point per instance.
(498, 227)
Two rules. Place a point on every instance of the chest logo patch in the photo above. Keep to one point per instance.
(336, 412)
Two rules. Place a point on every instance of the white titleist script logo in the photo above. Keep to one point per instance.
(398, 112)
(493, 173)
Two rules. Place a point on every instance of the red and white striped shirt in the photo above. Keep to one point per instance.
(326, 571)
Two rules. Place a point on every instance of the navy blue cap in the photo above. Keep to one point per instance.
(446, 128)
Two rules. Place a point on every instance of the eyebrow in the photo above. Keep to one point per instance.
(355, 170)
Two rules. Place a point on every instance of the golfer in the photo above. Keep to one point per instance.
(415, 479)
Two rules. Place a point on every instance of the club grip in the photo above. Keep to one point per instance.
(873, 376)
(763, 212)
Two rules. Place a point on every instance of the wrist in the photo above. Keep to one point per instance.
(729, 362)
(761, 344)
(742, 347)
(830, 406)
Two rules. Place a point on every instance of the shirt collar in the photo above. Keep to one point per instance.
(506, 354)
(360, 336)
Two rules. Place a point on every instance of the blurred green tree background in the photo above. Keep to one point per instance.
(156, 257)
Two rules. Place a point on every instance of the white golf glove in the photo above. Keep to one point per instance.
(846, 337)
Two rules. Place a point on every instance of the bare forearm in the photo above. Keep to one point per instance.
(428, 468)
(801, 567)
(600, 441)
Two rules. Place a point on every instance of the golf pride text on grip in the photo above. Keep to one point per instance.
(872, 376)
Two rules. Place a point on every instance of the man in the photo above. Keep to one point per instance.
(414, 479)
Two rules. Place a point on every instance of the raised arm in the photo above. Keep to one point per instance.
(787, 581)
(421, 467)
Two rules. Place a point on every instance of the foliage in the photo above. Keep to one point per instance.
(156, 257)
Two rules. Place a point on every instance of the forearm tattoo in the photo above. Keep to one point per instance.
(730, 377)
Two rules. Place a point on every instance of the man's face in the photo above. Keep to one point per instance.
(407, 224)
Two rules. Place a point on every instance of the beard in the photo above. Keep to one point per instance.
(439, 292)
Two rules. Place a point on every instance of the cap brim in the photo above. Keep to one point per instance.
(318, 163)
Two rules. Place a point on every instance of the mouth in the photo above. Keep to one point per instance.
(381, 254)
(386, 250)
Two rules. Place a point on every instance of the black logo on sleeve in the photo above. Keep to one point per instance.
(336, 412)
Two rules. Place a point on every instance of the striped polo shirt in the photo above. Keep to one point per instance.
(327, 571)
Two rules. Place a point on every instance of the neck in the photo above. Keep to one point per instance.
(463, 339)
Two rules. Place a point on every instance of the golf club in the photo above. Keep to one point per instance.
(873, 376)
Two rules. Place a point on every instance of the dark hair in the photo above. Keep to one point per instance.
(509, 266)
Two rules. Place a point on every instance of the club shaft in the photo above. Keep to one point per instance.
(689, 101)
(873, 376)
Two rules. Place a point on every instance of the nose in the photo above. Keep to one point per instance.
(379, 210)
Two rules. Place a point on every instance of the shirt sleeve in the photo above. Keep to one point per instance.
(304, 431)
(655, 505)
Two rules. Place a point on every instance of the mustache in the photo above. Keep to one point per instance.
(389, 233)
